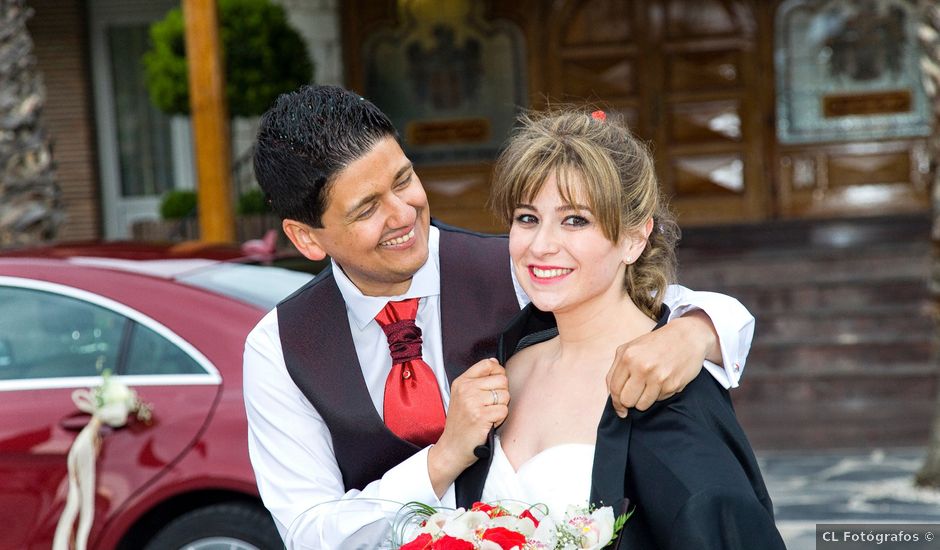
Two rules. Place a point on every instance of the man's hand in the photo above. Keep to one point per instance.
(660, 364)
(479, 400)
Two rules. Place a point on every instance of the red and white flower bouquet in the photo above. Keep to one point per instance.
(512, 526)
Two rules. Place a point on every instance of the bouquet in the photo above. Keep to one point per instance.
(512, 526)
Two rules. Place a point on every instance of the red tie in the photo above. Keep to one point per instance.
(413, 407)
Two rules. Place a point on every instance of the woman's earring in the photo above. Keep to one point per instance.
(629, 259)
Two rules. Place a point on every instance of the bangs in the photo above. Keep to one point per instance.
(585, 176)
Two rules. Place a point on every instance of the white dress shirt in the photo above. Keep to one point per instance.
(290, 446)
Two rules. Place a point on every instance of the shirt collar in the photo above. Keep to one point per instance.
(426, 282)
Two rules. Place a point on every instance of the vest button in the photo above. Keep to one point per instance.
(406, 374)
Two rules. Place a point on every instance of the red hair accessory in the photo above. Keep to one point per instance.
(599, 115)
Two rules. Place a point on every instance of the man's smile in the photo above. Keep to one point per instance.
(400, 239)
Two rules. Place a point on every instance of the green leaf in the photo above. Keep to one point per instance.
(263, 56)
(621, 521)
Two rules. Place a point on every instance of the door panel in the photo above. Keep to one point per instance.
(612, 78)
(701, 19)
(696, 71)
(54, 344)
(706, 122)
(708, 175)
(685, 74)
(851, 112)
(595, 22)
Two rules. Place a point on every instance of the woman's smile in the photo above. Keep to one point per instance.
(548, 274)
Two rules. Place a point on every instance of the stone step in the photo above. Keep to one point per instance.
(884, 325)
(836, 297)
(823, 424)
(911, 261)
(843, 353)
(835, 234)
(823, 355)
(914, 245)
(881, 405)
(856, 385)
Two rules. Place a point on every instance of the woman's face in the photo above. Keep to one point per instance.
(561, 256)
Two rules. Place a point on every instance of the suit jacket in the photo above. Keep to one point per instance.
(684, 465)
(477, 298)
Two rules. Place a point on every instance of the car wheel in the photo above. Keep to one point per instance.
(228, 526)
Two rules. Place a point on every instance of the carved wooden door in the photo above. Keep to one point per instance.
(685, 75)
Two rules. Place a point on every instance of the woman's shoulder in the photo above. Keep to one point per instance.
(520, 365)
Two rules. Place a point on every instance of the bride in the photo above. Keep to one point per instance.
(592, 244)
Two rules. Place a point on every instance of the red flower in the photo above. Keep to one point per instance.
(506, 539)
(481, 507)
(528, 514)
(448, 542)
(421, 542)
(599, 115)
(491, 511)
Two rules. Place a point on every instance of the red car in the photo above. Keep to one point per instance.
(172, 324)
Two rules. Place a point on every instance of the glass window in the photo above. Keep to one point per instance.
(263, 286)
(848, 70)
(46, 335)
(150, 353)
(143, 132)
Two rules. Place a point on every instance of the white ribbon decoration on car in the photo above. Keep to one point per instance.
(118, 401)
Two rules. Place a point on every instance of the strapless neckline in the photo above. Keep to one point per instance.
(547, 453)
(558, 477)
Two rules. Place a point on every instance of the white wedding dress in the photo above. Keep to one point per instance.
(557, 477)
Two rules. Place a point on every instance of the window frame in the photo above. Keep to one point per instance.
(211, 376)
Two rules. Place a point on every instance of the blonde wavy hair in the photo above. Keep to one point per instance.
(619, 186)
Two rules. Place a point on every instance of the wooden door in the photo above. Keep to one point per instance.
(685, 76)
(851, 113)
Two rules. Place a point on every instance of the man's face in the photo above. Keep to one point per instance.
(375, 224)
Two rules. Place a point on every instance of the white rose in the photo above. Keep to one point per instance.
(113, 414)
(463, 526)
(114, 391)
(435, 523)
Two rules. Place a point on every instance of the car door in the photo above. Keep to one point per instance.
(55, 339)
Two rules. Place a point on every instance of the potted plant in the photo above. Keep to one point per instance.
(263, 57)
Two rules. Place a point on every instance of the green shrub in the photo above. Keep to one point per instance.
(252, 202)
(178, 204)
(264, 57)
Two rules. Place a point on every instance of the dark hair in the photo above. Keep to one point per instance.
(306, 139)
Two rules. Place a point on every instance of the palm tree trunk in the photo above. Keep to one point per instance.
(929, 33)
(30, 209)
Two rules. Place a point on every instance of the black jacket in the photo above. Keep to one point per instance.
(684, 465)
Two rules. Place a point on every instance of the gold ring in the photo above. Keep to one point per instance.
(495, 397)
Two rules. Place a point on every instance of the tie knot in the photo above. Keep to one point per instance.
(398, 311)
(397, 320)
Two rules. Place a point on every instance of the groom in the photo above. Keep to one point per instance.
(375, 380)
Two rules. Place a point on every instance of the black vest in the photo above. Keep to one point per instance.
(477, 300)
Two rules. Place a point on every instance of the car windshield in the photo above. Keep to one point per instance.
(261, 285)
